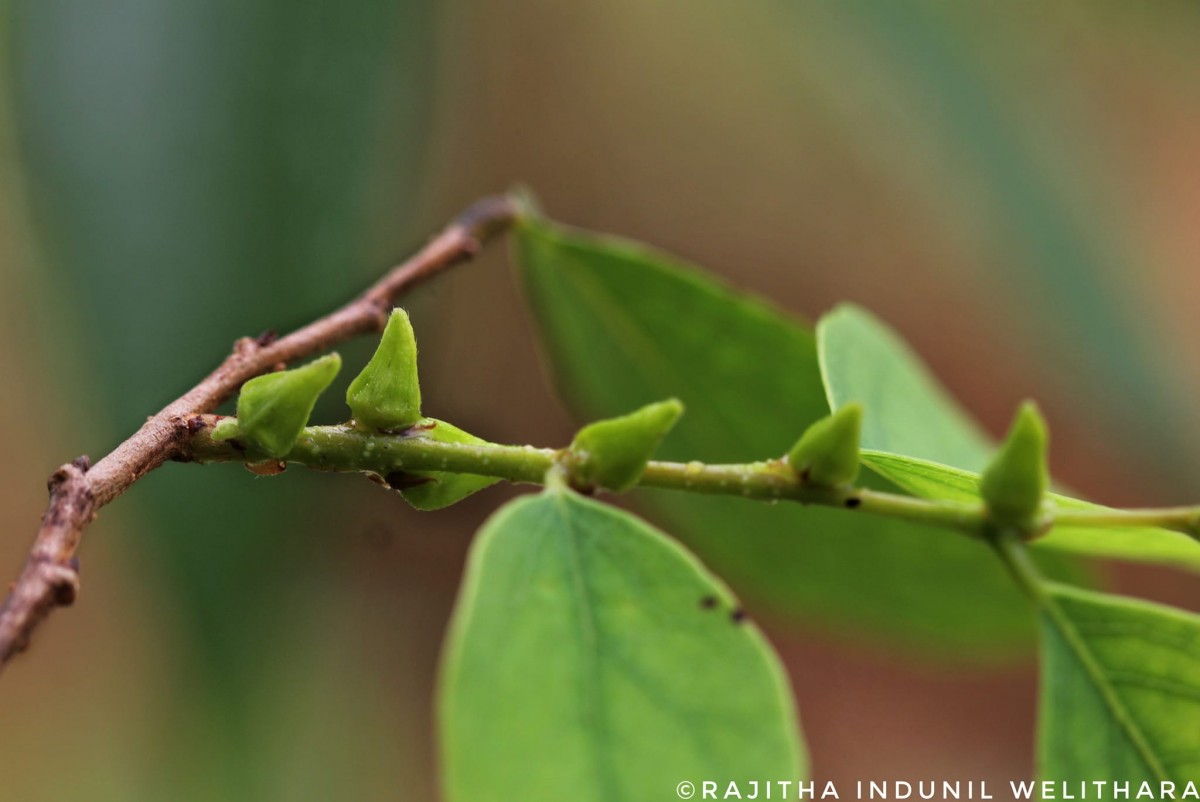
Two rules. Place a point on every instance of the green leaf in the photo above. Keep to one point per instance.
(908, 410)
(1015, 481)
(1120, 695)
(624, 325)
(864, 360)
(1141, 543)
(592, 658)
(273, 409)
(827, 453)
(613, 453)
(432, 490)
(387, 393)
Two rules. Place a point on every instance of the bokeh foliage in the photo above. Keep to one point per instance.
(198, 171)
(202, 170)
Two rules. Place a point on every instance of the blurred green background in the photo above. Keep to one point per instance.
(1014, 187)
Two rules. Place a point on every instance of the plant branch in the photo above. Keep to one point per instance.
(346, 448)
(1185, 520)
(78, 490)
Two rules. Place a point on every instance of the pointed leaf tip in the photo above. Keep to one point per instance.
(612, 453)
(387, 394)
(1015, 482)
(273, 409)
(826, 454)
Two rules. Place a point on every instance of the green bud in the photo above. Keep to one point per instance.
(273, 409)
(826, 455)
(1015, 483)
(432, 490)
(387, 395)
(613, 453)
(226, 429)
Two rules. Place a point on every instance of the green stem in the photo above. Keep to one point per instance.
(346, 448)
(1178, 519)
(1016, 559)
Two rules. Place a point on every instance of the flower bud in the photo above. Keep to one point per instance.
(273, 409)
(387, 395)
(1015, 483)
(613, 453)
(826, 455)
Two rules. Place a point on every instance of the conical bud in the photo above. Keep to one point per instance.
(273, 409)
(1015, 483)
(387, 395)
(826, 455)
(613, 453)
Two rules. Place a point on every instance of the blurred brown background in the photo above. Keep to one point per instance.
(1014, 187)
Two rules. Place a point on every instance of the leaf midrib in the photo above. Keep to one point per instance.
(589, 630)
(1108, 693)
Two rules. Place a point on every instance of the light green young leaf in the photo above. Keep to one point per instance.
(908, 411)
(387, 393)
(591, 658)
(624, 325)
(864, 360)
(433, 490)
(273, 409)
(612, 453)
(1120, 695)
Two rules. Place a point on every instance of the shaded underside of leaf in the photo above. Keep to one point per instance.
(902, 585)
(1120, 696)
(592, 658)
(433, 490)
(660, 325)
(624, 325)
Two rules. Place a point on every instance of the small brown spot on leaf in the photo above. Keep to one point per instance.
(737, 615)
(708, 602)
(852, 502)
